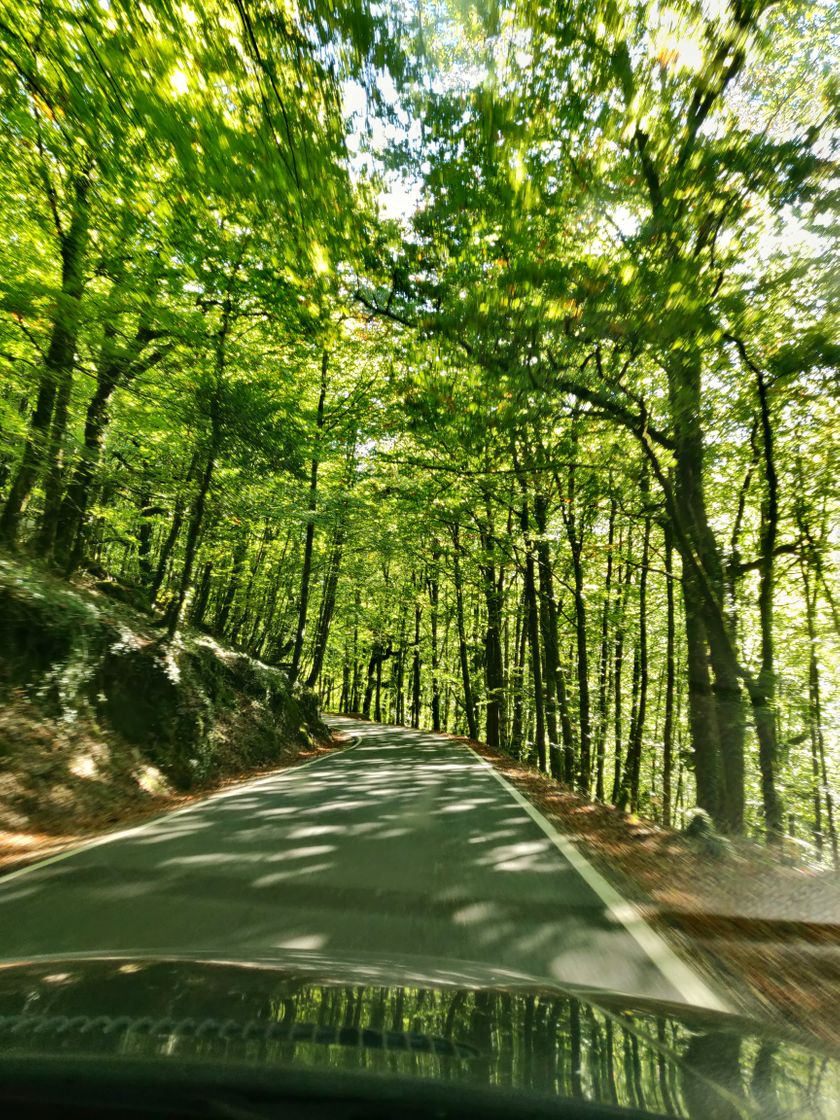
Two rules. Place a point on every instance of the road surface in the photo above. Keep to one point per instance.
(406, 847)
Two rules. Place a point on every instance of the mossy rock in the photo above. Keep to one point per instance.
(39, 633)
(148, 698)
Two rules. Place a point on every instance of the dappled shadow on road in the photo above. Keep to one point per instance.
(404, 846)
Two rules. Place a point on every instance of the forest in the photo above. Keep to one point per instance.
(475, 363)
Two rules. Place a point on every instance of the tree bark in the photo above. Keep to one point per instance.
(604, 661)
(493, 583)
(574, 534)
(762, 689)
(706, 582)
(618, 665)
(463, 650)
(416, 668)
(433, 587)
(533, 621)
(327, 609)
(670, 678)
(554, 683)
(58, 365)
(629, 792)
(702, 717)
(311, 505)
(63, 527)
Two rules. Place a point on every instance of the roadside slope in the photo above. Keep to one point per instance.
(102, 720)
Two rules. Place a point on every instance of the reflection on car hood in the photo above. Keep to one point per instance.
(437, 1023)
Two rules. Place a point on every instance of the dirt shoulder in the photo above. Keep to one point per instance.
(766, 933)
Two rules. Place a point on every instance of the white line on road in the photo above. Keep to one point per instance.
(684, 979)
(124, 833)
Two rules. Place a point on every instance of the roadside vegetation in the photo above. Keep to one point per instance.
(475, 366)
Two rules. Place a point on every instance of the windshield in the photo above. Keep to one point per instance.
(418, 532)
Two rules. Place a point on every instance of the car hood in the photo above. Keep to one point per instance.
(460, 1023)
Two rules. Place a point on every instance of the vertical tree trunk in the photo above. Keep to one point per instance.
(194, 525)
(374, 662)
(463, 651)
(575, 533)
(762, 689)
(604, 661)
(702, 717)
(517, 680)
(311, 505)
(703, 575)
(63, 526)
(670, 675)
(200, 502)
(433, 585)
(202, 595)
(399, 669)
(234, 582)
(493, 583)
(245, 618)
(327, 609)
(618, 664)
(533, 622)
(815, 727)
(58, 366)
(629, 792)
(415, 668)
(554, 683)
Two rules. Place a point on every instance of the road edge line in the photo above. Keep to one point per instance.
(691, 986)
(124, 833)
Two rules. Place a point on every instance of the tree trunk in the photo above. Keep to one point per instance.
(58, 366)
(325, 614)
(533, 621)
(604, 661)
(629, 792)
(707, 591)
(200, 502)
(194, 529)
(815, 727)
(702, 717)
(463, 651)
(415, 669)
(493, 582)
(516, 682)
(574, 534)
(233, 584)
(670, 676)
(433, 587)
(553, 672)
(312, 502)
(618, 664)
(65, 535)
(202, 595)
(762, 690)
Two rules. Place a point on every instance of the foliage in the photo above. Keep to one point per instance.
(546, 457)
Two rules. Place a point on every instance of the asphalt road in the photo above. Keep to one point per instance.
(403, 849)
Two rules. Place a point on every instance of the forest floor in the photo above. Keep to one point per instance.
(764, 930)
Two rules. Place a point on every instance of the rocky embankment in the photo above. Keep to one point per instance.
(103, 719)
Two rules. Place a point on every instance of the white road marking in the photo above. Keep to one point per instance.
(125, 833)
(684, 979)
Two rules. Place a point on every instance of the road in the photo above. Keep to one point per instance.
(405, 849)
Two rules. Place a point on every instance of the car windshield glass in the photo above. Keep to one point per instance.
(419, 545)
